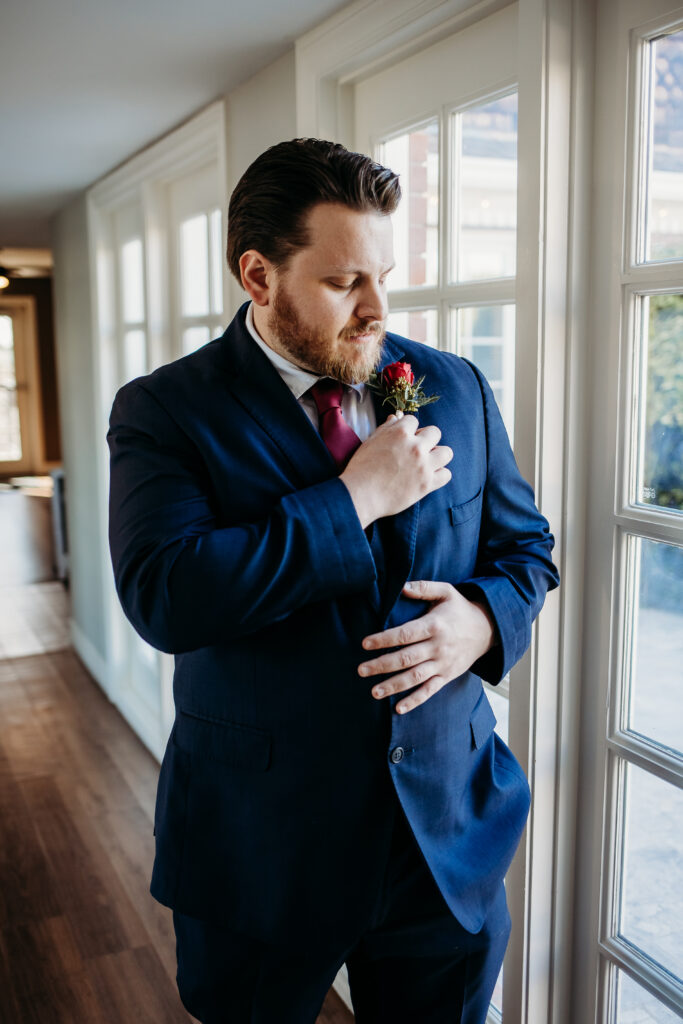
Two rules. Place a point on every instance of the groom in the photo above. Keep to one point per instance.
(335, 579)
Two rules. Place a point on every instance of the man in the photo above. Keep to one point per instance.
(333, 581)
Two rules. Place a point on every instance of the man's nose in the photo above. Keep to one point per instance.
(372, 303)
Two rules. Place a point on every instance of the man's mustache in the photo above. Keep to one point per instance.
(375, 327)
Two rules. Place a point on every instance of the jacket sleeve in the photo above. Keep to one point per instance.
(514, 570)
(184, 582)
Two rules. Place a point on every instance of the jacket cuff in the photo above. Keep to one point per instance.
(511, 618)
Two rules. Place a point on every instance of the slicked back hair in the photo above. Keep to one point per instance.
(268, 207)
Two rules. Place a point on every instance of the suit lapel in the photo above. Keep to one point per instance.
(260, 389)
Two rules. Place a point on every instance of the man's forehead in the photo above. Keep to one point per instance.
(345, 239)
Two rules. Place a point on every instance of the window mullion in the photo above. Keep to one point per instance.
(649, 756)
(655, 979)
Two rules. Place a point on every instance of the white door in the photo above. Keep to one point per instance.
(19, 403)
(446, 120)
(630, 891)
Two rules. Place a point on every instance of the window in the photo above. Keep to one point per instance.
(156, 226)
(21, 449)
(10, 434)
(641, 933)
(201, 278)
(479, 169)
(455, 231)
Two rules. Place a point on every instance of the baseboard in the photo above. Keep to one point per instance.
(90, 656)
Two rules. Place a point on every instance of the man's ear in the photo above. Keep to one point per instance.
(257, 276)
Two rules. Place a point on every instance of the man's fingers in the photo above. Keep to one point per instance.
(407, 680)
(430, 436)
(404, 658)
(419, 696)
(441, 455)
(409, 633)
(429, 590)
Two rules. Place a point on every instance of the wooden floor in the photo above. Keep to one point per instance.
(81, 939)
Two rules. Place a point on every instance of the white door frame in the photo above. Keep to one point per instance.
(22, 309)
(555, 128)
(142, 181)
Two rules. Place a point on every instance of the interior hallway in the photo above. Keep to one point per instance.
(81, 939)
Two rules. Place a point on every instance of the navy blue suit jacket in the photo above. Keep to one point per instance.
(236, 547)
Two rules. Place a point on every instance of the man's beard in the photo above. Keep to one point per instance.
(311, 349)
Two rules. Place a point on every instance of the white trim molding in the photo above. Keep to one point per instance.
(143, 693)
(360, 40)
(555, 138)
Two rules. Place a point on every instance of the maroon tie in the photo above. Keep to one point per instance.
(340, 439)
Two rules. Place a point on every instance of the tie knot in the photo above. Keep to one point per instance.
(327, 394)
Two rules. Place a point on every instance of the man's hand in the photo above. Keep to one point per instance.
(437, 647)
(395, 467)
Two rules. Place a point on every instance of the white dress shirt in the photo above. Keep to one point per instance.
(357, 407)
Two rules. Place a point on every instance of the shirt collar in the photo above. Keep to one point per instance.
(297, 380)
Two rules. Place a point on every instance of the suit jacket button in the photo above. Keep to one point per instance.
(396, 754)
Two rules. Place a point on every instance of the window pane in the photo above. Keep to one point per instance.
(500, 703)
(134, 354)
(194, 266)
(662, 403)
(415, 157)
(484, 235)
(132, 281)
(636, 1006)
(655, 708)
(664, 151)
(194, 338)
(651, 912)
(10, 434)
(486, 336)
(497, 997)
(418, 325)
(216, 262)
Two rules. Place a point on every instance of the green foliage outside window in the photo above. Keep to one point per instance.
(663, 452)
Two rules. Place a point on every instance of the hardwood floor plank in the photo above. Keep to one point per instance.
(83, 893)
(134, 986)
(82, 941)
(26, 892)
(128, 837)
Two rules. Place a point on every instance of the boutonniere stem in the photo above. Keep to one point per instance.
(397, 385)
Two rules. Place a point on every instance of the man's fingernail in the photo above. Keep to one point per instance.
(408, 586)
(379, 692)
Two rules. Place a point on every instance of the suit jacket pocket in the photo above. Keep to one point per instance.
(230, 743)
(467, 510)
(482, 721)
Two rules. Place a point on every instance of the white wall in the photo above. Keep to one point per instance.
(259, 113)
(74, 350)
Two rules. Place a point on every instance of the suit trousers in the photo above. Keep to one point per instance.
(412, 962)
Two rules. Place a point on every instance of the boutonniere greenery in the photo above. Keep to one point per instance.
(397, 385)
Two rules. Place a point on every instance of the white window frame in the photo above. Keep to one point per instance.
(623, 29)
(365, 37)
(141, 183)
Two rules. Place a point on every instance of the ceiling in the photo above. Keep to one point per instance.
(86, 83)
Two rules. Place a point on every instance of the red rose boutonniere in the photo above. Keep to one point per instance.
(398, 387)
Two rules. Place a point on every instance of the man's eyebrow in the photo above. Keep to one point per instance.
(332, 270)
